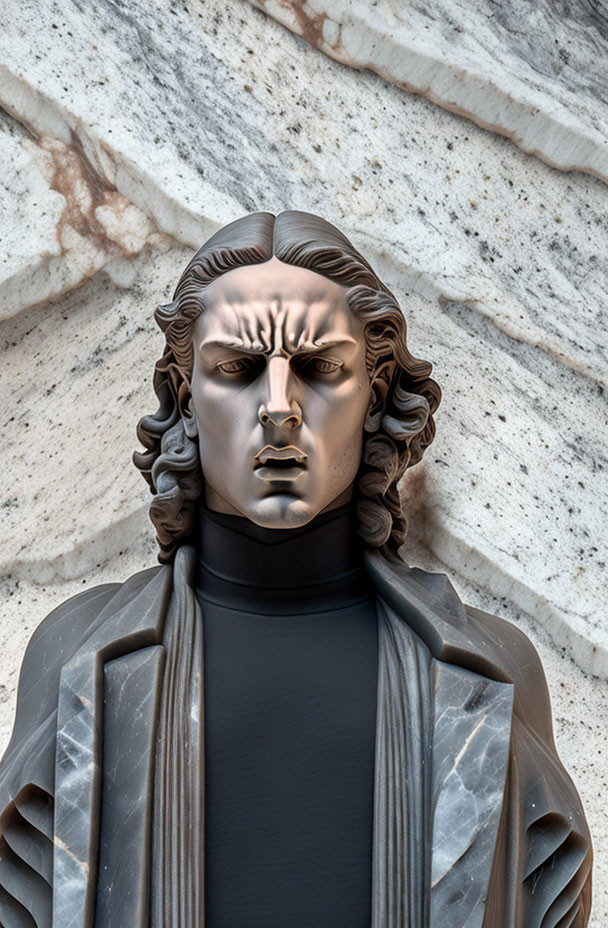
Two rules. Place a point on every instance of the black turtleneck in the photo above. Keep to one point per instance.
(290, 643)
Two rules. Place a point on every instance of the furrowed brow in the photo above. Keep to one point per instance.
(233, 344)
(321, 344)
(304, 347)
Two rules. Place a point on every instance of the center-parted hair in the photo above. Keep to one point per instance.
(399, 423)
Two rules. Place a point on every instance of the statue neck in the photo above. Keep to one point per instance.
(312, 568)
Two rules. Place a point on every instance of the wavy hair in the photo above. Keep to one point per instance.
(399, 424)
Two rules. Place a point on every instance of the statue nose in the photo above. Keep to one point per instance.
(280, 407)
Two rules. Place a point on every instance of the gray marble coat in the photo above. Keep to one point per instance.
(476, 822)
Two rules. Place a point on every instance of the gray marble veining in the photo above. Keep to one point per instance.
(468, 790)
(77, 779)
(131, 686)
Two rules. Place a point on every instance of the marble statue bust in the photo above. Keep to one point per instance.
(283, 723)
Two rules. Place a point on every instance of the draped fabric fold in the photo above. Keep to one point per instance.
(178, 827)
(26, 861)
(402, 846)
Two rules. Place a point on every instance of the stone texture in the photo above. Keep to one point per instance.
(121, 863)
(76, 780)
(532, 72)
(468, 789)
(511, 310)
(186, 118)
(62, 221)
(77, 370)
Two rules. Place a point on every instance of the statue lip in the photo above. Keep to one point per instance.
(287, 454)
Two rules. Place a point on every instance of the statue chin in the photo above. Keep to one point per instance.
(276, 511)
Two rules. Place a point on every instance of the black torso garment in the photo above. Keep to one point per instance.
(290, 645)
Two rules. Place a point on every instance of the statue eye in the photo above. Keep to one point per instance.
(237, 366)
(322, 366)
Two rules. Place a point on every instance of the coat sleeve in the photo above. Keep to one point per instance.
(543, 861)
(27, 769)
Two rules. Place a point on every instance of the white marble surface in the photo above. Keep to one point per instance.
(535, 72)
(81, 373)
(61, 224)
(499, 259)
(187, 117)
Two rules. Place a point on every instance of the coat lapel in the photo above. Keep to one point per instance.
(132, 686)
(429, 604)
(133, 621)
(443, 739)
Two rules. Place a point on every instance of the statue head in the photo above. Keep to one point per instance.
(286, 386)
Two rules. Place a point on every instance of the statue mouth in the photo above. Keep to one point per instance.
(285, 463)
(288, 454)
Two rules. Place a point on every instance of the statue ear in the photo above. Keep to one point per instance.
(184, 401)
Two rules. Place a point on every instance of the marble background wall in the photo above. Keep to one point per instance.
(465, 153)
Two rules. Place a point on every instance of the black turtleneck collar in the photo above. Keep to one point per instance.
(314, 568)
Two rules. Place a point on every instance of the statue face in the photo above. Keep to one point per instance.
(280, 392)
